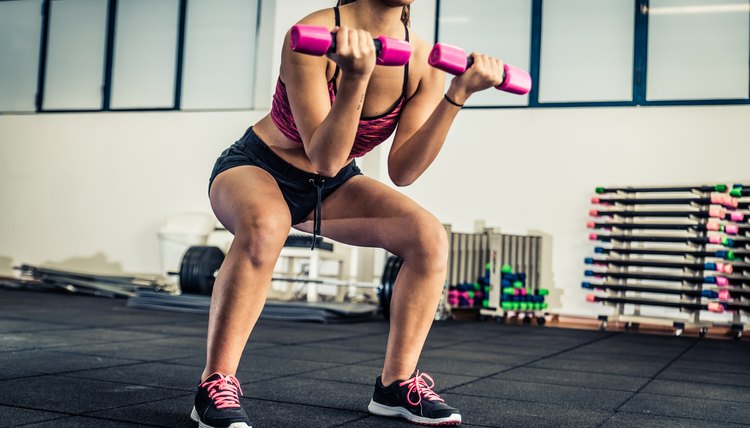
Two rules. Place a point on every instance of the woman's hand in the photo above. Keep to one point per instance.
(486, 72)
(355, 52)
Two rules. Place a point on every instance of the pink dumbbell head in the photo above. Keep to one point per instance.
(725, 268)
(594, 213)
(714, 239)
(721, 281)
(724, 295)
(716, 307)
(713, 226)
(593, 236)
(316, 40)
(591, 297)
(591, 225)
(737, 216)
(310, 39)
(453, 60)
(393, 51)
(732, 229)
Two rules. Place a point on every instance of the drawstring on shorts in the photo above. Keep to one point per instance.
(318, 216)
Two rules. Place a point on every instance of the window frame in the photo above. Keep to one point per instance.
(640, 66)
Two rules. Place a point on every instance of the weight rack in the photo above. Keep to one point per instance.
(694, 248)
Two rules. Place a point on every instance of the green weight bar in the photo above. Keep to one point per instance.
(506, 269)
(518, 284)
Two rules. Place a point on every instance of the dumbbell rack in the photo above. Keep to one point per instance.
(662, 236)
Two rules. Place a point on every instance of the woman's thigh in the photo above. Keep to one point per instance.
(366, 212)
(248, 199)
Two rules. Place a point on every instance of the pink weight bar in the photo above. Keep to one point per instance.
(454, 60)
(317, 41)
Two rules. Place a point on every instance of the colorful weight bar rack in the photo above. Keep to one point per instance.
(683, 247)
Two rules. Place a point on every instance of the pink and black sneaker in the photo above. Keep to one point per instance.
(413, 400)
(217, 403)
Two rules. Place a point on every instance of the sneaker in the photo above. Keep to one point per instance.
(414, 400)
(217, 403)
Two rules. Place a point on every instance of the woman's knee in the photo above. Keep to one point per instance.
(260, 239)
(427, 241)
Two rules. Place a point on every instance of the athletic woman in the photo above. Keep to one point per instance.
(296, 167)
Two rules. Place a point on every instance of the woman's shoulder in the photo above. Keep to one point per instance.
(323, 17)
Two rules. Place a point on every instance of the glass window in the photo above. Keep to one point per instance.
(219, 54)
(75, 54)
(20, 30)
(587, 50)
(500, 29)
(698, 49)
(143, 74)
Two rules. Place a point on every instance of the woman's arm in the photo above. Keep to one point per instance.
(328, 131)
(426, 119)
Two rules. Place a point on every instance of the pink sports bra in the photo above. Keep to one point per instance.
(371, 130)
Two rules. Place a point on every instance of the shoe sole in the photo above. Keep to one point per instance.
(196, 418)
(400, 412)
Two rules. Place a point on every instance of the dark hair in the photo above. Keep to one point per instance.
(404, 14)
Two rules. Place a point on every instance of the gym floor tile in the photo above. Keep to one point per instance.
(82, 422)
(141, 351)
(263, 364)
(376, 343)
(22, 326)
(195, 328)
(639, 420)
(544, 393)
(575, 379)
(161, 375)
(321, 354)
(13, 416)
(313, 392)
(72, 337)
(507, 413)
(51, 362)
(65, 394)
(739, 357)
(366, 375)
(602, 365)
(689, 407)
(471, 355)
(703, 374)
(727, 369)
(383, 422)
(699, 390)
(448, 365)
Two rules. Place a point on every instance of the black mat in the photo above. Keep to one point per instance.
(75, 361)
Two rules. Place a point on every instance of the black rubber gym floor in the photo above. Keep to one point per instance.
(74, 361)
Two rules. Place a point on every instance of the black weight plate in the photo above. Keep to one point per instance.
(197, 269)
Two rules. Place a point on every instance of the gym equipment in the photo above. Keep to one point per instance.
(690, 279)
(716, 188)
(41, 278)
(198, 269)
(709, 266)
(317, 41)
(716, 199)
(286, 311)
(716, 240)
(387, 281)
(713, 226)
(712, 212)
(642, 288)
(723, 254)
(713, 306)
(454, 60)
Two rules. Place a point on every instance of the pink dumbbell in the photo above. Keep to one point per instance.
(453, 60)
(315, 40)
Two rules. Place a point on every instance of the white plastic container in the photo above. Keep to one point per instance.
(179, 233)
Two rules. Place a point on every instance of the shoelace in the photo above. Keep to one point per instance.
(223, 391)
(419, 384)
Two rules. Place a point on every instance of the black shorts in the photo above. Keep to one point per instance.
(302, 191)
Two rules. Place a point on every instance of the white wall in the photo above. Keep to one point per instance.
(94, 188)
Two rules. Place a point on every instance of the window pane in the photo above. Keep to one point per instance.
(587, 50)
(219, 54)
(20, 28)
(75, 54)
(500, 29)
(698, 49)
(143, 72)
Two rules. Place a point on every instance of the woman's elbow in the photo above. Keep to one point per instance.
(401, 180)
